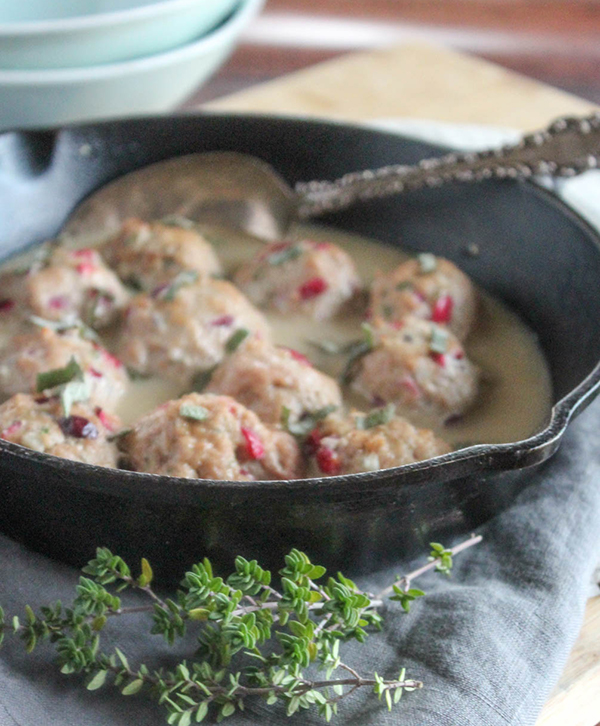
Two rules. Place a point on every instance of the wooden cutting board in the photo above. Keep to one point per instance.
(427, 82)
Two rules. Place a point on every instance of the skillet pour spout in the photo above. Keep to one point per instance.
(535, 254)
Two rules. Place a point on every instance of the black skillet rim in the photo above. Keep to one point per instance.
(471, 460)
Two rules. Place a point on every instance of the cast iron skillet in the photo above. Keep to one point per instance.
(535, 254)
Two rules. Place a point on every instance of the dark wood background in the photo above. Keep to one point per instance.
(555, 41)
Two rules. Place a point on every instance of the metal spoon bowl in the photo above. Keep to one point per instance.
(241, 191)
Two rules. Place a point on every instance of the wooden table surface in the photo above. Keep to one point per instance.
(554, 41)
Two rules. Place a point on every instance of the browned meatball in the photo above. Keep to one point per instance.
(71, 283)
(211, 437)
(427, 287)
(314, 278)
(42, 349)
(38, 423)
(179, 332)
(269, 379)
(419, 366)
(368, 442)
(147, 255)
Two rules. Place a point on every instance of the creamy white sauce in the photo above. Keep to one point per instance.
(516, 395)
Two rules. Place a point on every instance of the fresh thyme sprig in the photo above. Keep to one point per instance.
(291, 634)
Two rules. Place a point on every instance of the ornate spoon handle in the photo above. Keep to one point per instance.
(568, 147)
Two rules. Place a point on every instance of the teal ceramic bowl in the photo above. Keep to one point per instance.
(36, 99)
(42, 34)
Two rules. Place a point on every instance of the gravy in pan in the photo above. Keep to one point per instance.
(515, 398)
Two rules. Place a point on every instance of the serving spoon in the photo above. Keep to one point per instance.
(240, 191)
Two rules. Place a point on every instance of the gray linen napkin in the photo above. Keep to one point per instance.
(489, 642)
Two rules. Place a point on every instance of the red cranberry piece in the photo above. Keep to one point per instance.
(312, 288)
(442, 310)
(296, 355)
(105, 419)
(254, 446)
(95, 373)
(328, 461)
(313, 441)
(160, 289)
(439, 358)
(409, 384)
(223, 321)
(12, 429)
(6, 305)
(59, 302)
(78, 427)
(85, 268)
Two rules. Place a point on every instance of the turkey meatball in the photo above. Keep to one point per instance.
(38, 422)
(147, 255)
(313, 278)
(419, 366)
(270, 380)
(210, 437)
(183, 330)
(367, 442)
(427, 287)
(42, 349)
(71, 283)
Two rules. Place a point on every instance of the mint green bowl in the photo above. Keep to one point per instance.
(42, 34)
(37, 99)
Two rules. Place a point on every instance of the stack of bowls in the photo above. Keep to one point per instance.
(63, 61)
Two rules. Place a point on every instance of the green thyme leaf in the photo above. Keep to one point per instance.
(236, 339)
(97, 681)
(284, 255)
(427, 263)
(376, 417)
(330, 347)
(58, 376)
(307, 421)
(404, 285)
(119, 434)
(198, 413)
(187, 277)
(73, 392)
(175, 220)
(202, 379)
(438, 342)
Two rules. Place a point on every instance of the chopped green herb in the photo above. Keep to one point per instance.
(198, 413)
(57, 377)
(404, 285)
(307, 421)
(236, 339)
(187, 277)
(133, 282)
(175, 220)
(119, 434)
(356, 352)
(61, 326)
(284, 255)
(136, 375)
(376, 417)
(73, 392)
(202, 379)
(368, 334)
(439, 340)
(427, 263)
(330, 347)
(387, 311)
